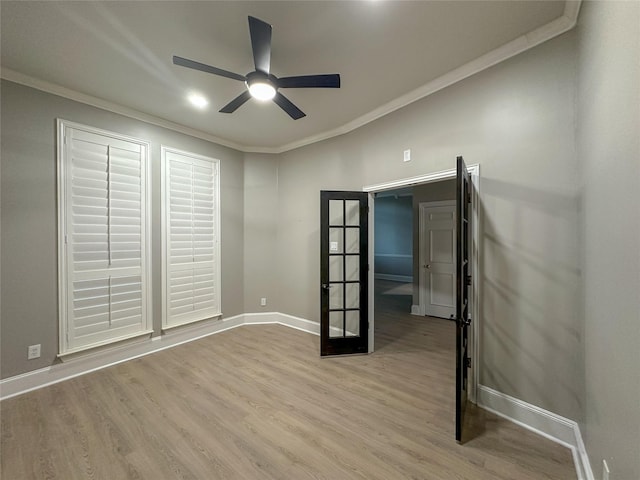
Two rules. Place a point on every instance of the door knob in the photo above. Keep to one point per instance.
(427, 266)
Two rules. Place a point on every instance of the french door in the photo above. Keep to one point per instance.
(343, 272)
(463, 282)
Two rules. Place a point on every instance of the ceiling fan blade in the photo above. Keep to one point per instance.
(185, 62)
(260, 44)
(285, 104)
(331, 80)
(234, 104)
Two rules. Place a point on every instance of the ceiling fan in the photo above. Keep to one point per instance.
(261, 83)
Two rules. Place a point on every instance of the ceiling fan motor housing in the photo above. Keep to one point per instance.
(261, 77)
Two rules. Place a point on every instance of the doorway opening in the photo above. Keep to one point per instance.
(399, 300)
(412, 286)
(393, 268)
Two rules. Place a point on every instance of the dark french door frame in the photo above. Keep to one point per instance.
(474, 172)
(344, 271)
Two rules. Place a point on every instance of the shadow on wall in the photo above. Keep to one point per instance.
(531, 333)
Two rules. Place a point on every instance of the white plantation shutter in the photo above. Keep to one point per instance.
(104, 220)
(191, 258)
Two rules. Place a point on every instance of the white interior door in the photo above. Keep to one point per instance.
(438, 259)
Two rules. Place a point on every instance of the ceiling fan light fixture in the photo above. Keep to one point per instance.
(262, 90)
(261, 84)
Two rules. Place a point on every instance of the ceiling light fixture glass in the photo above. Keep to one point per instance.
(261, 85)
(262, 91)
(198, 100)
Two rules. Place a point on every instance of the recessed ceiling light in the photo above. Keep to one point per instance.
(198, 101)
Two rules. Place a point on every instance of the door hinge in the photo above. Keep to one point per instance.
(467, 362)
(468, 197)
(468, 279)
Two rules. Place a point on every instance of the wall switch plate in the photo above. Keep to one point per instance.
(407, 155)
(263, 301)
(33, 352)
(605, 470)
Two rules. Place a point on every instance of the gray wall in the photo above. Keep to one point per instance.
(609, 152)
(517, 121)
(431, 192)
(393, 235)
(29, 302)
(260, 232)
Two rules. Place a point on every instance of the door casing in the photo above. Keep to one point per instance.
(474, 172)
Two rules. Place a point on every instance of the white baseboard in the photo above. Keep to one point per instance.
(26, 382)
(393, 278)
(282, 319)
(554, 427)
(416, 310)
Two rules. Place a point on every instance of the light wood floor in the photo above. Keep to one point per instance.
(257, 402)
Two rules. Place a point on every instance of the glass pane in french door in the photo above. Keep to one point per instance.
(344, 250)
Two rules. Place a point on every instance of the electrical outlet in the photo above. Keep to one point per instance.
(605, 470)
(263, 301)
(33, 352)
(407, 155)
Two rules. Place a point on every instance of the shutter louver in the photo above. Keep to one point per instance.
(192, 271)
(105, 231)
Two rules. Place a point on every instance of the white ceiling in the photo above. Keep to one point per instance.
(388, 54)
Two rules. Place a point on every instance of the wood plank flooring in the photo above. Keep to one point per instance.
(257, 402)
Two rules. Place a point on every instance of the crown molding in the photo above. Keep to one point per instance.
(529, 40)
(55, 89)
(541, 34)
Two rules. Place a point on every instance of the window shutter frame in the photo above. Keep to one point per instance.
(194, 161)
(124, 209)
